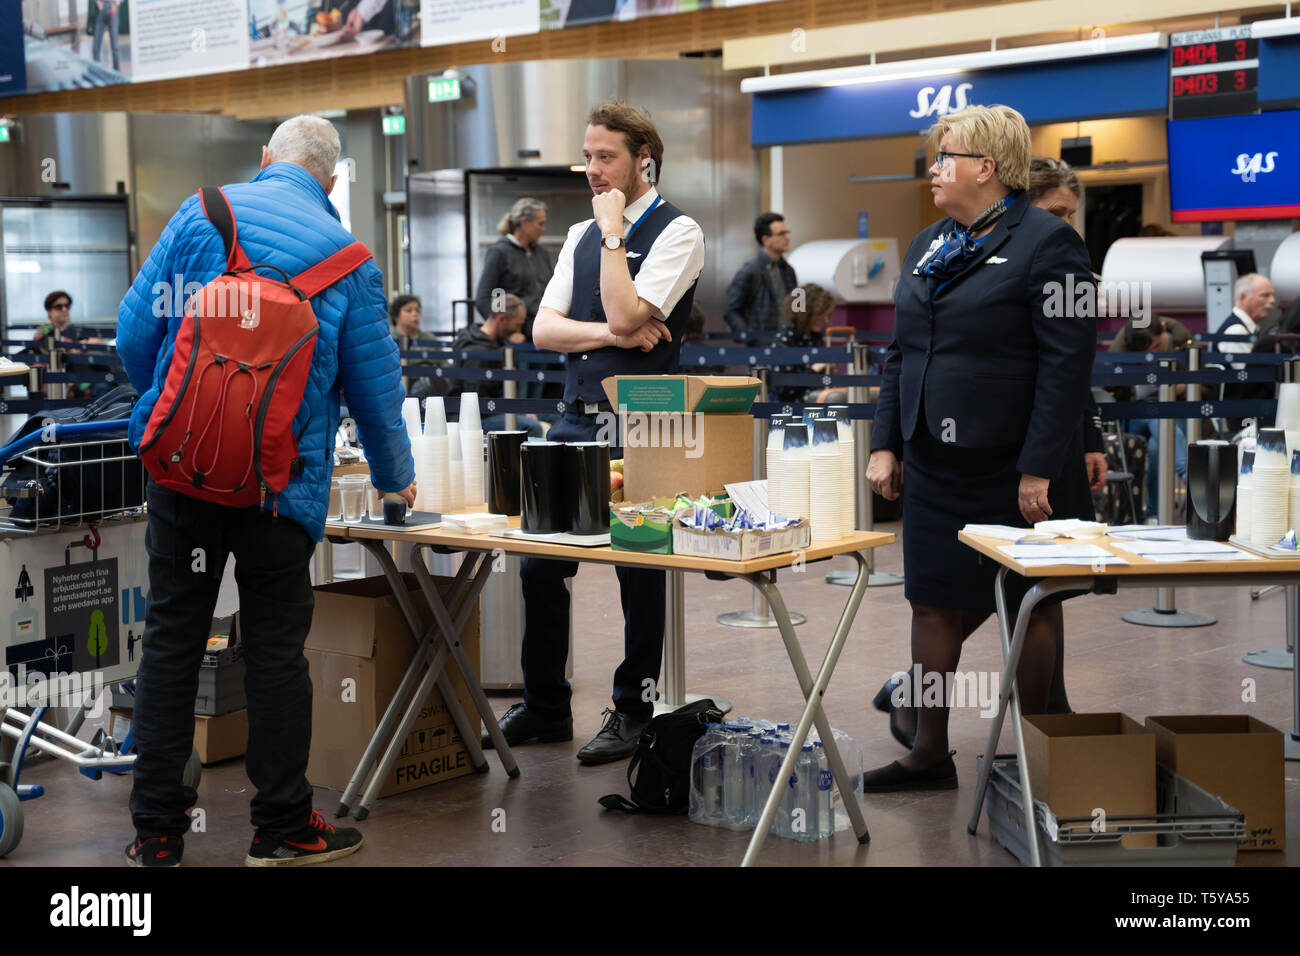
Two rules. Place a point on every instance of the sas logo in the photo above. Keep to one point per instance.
(948, 99)
(250, 320)
(1249, 166)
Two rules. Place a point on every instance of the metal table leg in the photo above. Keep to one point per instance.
(425, 641)
(1012, 645)
(813, 690)
(674, 694)
(467, 672)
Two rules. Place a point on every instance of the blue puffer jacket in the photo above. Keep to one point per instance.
(284, 218)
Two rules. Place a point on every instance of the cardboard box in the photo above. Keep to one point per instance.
(221, 673)
(358, 649)
(1238, 759)
(119, 722)
(683, 433)
(739, 545)
(221, 738)
(1079, 763)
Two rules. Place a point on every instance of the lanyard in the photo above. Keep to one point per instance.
(641, 218)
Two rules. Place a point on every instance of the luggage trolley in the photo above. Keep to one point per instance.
(72, 549)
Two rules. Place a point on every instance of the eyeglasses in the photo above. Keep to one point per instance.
(61, 305)
(942, 157)
(777, 235)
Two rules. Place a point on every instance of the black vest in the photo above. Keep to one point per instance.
(586, 370)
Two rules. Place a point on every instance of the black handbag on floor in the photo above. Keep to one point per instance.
(660, 770)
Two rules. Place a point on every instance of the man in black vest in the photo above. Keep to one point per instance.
(617, 304)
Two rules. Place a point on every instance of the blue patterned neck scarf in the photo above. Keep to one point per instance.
(957, 248)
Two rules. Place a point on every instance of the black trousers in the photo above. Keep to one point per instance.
(188, 542)
(547, 614)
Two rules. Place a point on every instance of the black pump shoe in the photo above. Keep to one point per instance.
(941, 775)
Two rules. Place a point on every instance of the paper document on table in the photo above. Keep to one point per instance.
(1138, 532)
(1006, 532)
(750, 495)
(1174, 558)
(1068, 549)
(1081, 562)
(1187, 548)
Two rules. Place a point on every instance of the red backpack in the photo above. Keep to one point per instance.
(222, 429)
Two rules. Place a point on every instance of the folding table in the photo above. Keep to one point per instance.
(1140, 572)
(449, 614)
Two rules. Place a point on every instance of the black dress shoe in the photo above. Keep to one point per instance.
(941, 775)
(519, 725)
(883, 702)
(616, 740)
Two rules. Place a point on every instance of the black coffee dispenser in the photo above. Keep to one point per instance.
(1211, 490)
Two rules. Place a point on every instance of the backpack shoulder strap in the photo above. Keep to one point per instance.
(217, 208)
(328, 271)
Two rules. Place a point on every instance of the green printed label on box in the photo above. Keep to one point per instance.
(727, 399)
(642, 395)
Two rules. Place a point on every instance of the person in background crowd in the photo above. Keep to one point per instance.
(58, 311)
(985, 414)
(1288, 324)
(617, 304)
(1156, 333)
(106, 20)
(1254, 298)
(500, 329)
(404, 323)
(1162, 335)
(517, 263)
(807, 313)
(284, 219)
(757, 291)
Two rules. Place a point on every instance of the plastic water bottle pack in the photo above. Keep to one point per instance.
(736, 764)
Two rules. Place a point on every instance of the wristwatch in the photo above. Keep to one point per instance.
(614, 242)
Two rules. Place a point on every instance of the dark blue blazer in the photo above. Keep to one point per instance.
(999, 352)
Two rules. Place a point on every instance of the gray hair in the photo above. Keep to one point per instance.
(309, 142)
(522, 209)
(1244, 284)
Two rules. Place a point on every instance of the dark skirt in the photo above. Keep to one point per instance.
(944, 489)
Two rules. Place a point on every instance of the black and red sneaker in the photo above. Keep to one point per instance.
(318, 842)
(155, 851)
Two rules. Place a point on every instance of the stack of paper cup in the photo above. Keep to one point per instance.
(471, 453)
(471, 448)
(848, 468)
(1288, 414)
(1271, 493)
(411, 419)
(433, 487)
(455, 469)
(795, 455)
(1245, 496)
(775, 439)
(1295, 489)
(824, 475)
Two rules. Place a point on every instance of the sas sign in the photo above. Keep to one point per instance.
(946, 99)
(1249, 166)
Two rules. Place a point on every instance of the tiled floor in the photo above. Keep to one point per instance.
(551, 815)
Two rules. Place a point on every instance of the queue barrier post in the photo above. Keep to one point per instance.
(1166, 613)
(759, 614)
(865, 516)
(511, 389)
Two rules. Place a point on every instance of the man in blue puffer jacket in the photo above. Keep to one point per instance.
(284, 218)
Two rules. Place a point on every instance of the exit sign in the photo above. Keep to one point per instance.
(443, 88)
(394, 125)
(4, 132)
